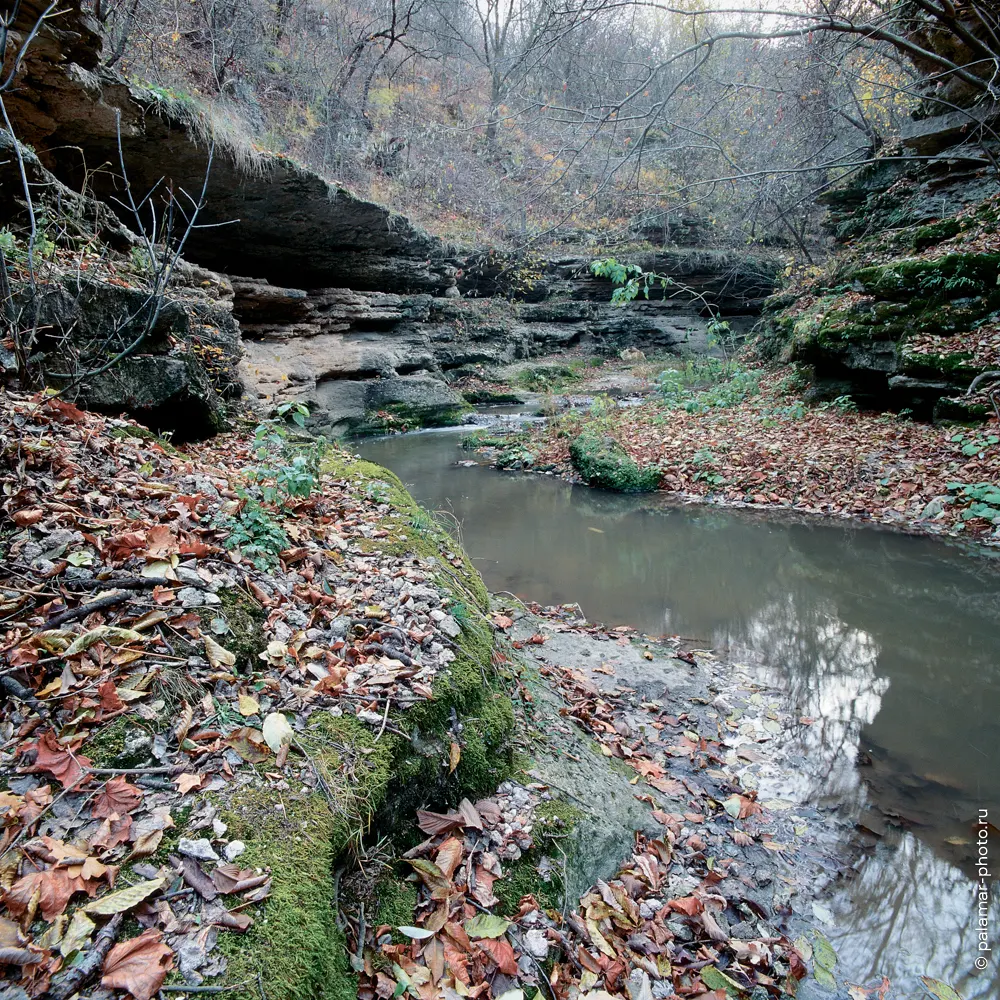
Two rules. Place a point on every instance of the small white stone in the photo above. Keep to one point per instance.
(218, 827)
(537, 944)
(450, 627)
(234, 849)
(199, 849)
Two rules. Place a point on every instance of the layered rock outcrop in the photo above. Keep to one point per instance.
(908, 313)
(331, 299)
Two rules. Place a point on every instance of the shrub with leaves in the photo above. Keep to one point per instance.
(255, 532)
(288, 469)
(983, 500)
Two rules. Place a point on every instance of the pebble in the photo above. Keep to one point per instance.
(192, 597)
(450, 627)
(537, 944)
(234, 849)
(200, 849)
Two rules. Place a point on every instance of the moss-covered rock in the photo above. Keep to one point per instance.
(245, 619)
(604, 463)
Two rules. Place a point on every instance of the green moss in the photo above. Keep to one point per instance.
(295, 944)
(542, 378)
(143, 434)
(106, 748)
(604, 463)
(245, 618)
(407, 417)
(937, 232)
(490, 398)
(522, 878)
(396, 901)
(953, 276)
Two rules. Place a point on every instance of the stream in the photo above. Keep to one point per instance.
(890, 643)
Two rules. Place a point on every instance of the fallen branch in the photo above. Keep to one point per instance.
(91, 963)
(76, 614)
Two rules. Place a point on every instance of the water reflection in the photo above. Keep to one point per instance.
(907, 913)
(890, 643)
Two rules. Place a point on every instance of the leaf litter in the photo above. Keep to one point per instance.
(109, 597)
(111, 610)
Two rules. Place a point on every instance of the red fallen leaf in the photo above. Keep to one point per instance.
(455, 959)
(196, 547)
(797, 967)
(116, 798)
(647, 768)
(434, 823)
(139, 965)
(26, 518)
(502, 621)
(748, 807)
(690, 905)
(122, 546)
(35, 803)
(537, 639)
(52, 888)
(449, 856)
(108, 694)
(68, 768)
(67, 413)
(500, 950)
(23, 657)
(161, 542)
(669, 786)
(113, 831)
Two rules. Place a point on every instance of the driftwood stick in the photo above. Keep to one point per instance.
(75, 977)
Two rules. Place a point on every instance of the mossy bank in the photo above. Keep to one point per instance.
(372, 779)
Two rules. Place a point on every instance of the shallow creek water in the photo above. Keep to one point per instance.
(890, 643)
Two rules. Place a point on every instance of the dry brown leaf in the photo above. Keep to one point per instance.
(187, 782)
(449, 856)
(217, 655)
(116, 797)
(139, 966)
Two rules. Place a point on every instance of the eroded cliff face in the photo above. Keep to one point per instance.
(907, 314)
(300, 290)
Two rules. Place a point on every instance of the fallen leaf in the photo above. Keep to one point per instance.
(139, 966)
(78, 934)
(449, 856)
(486, 925)
(117, 796)
(417, 933)
(248, 706)
(69, 768)
(188, 782)
(125, 899)
(218, 656)
(502, 953)
(941, 990)
(277, 732)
